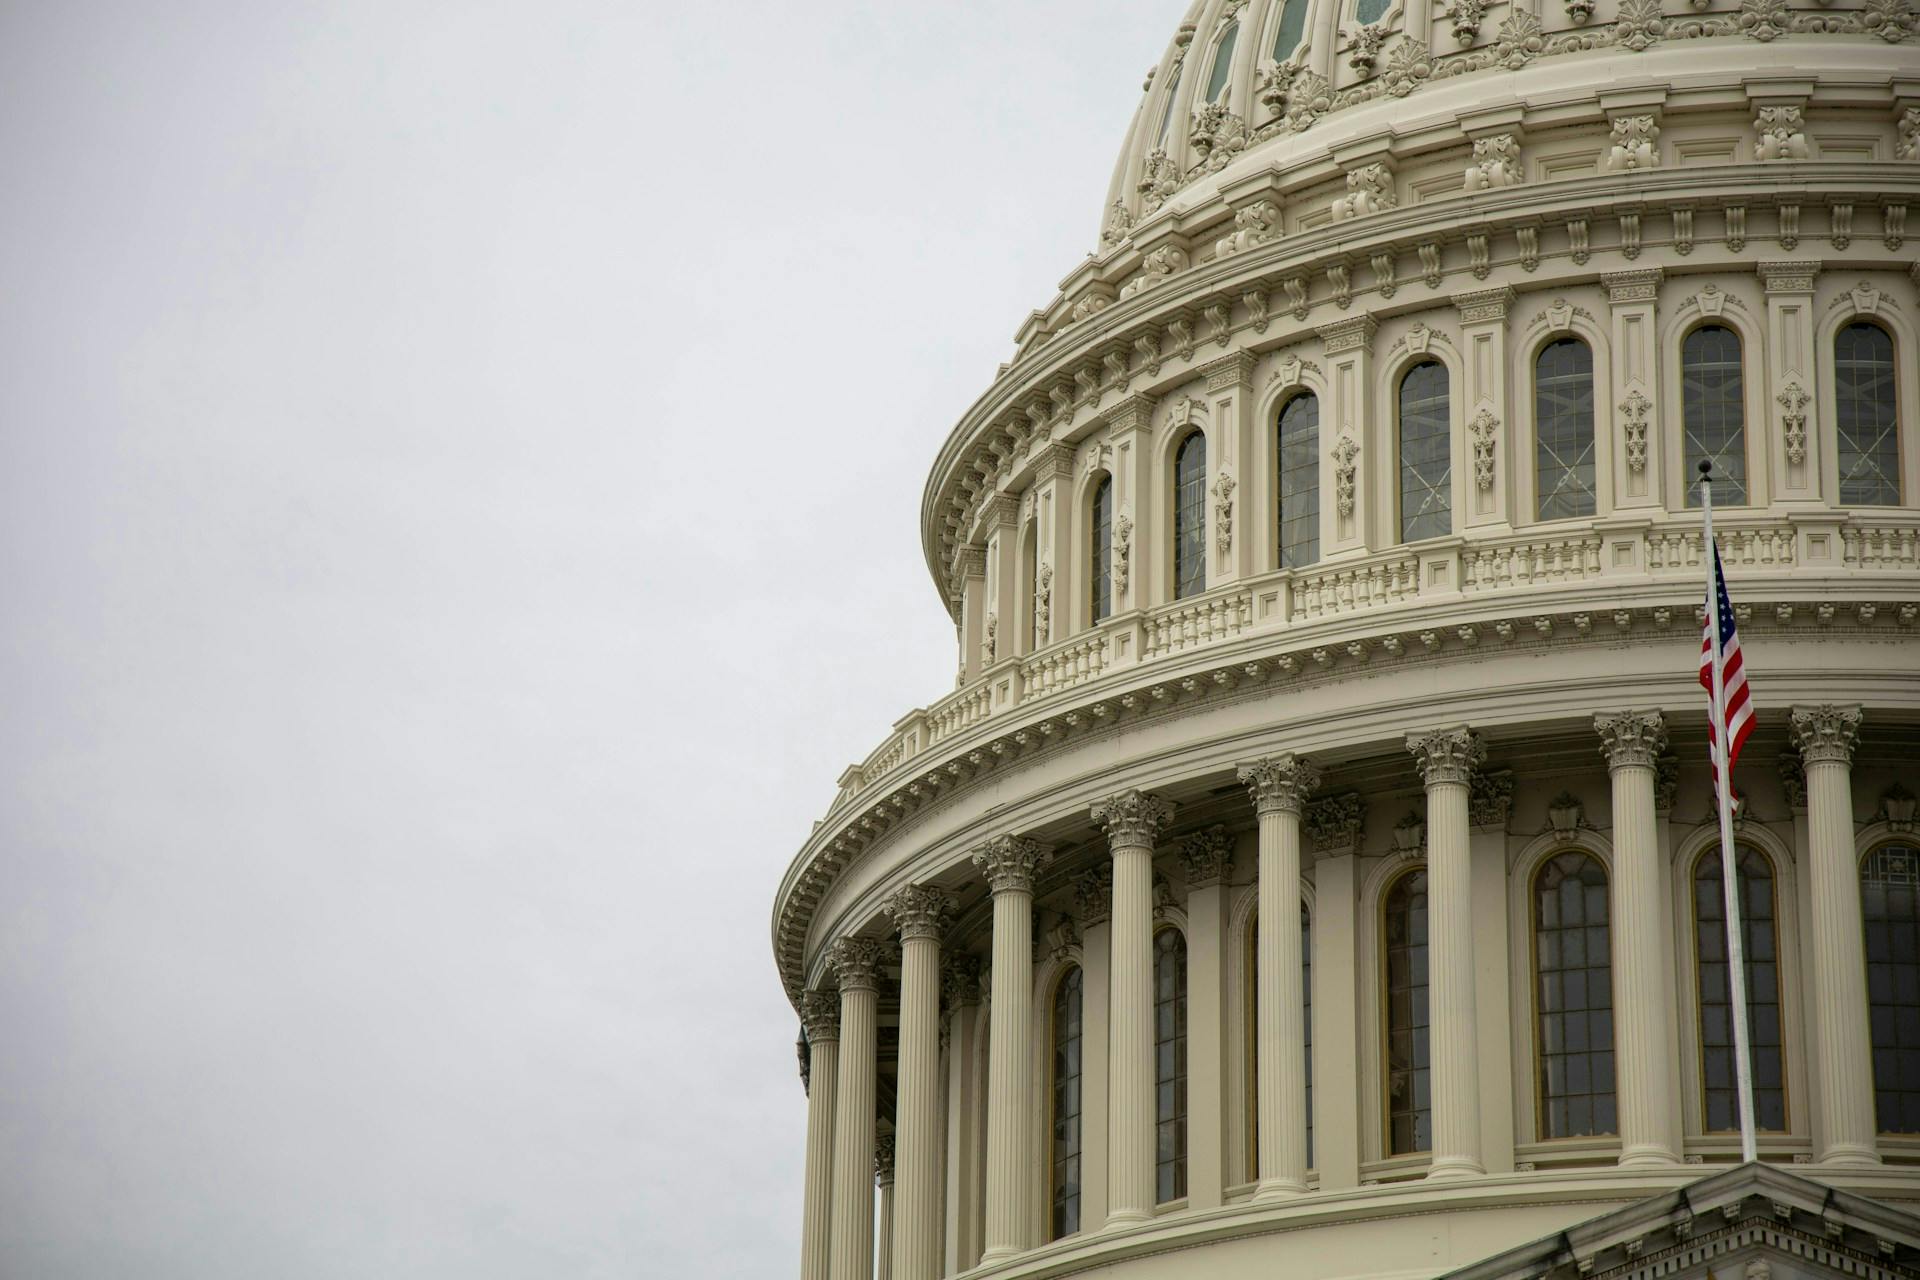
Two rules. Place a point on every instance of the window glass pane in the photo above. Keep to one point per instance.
(1713, 405)
(1563, 429)
(1890, 905)
(1757, 934)
(1102, 566)
(1299, 453)
(1306, 1014)
(1409, 1063)
(1170, 1063)
(1573, 997)
(1190, 517)
(1223, 63)
(1293, 24)
(1066, 1105)
(1864, 413)
(1369, 11)
(1166, 115)
(1426, 467)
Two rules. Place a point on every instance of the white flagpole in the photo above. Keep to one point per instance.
(1729, 879)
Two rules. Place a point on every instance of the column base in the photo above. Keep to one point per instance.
(1279, 1189)
(1445, 1167)
(1849, 1156)
(1121, 1219)
(999, 1253)
(1648, 1158)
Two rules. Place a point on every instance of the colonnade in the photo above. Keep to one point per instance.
(838, 1236)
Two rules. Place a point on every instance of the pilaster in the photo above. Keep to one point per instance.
(1230, 457)
(1208, 857)
(1348, 499)
(960, 984)
(1135, 556)
(1786, 440)
(1482, 480)
(1634, 430)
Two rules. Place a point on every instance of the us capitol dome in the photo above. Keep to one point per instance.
(1314, 871)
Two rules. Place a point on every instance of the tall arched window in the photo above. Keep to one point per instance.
(1030, 561)
(1101, 566)
(1190, 517)
(1166, 115)
(1253, 1033)
(1890, 905)
(1409, 1056)
(1426, 461)
(1865, 414)
(1298, 448)
(1066, 1105)
(1713, 407)
(1760, 938)
(1573, 998)
(1170, 1064)
(1223, 63)
(1563, 429)
(1287, 32)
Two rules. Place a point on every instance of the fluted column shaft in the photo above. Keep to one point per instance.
(1645, 1074)
(1009, 863)
(856, 961)
(820, 1010)
(920, 914)
(1279, 786)
(883, 1180)
(1132, 820)
(1446, 760)
(1826, 736)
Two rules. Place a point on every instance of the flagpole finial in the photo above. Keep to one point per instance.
(1706, 468)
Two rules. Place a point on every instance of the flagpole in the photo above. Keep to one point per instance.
(1729, 881)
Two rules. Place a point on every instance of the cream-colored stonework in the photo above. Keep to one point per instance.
(1462, 184)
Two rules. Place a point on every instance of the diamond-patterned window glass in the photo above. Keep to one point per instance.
(1166, 115)
(1563, 429)
(1292, 25)
(1223, 63)
(1190, 517)
(1890, 905)
(1761, 942)
(1101, 569)
(1713, 406)
(1865, 414)
(1066, 1104)
(1299, 453)
(1573, 998)
(1426, 462)
(1253, 1034)
(1170, 1064)
(1409, 1054)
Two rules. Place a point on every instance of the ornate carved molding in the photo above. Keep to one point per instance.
(856, 963)
(919, 911)
(1279, 784)
(883, 1160)
(1348, 335)
(1490, 798)
(1446, 755)
(1826, 734)
(1333, 824)
(1484, 306)
(1635, 140)
(1133, 817)
(1666, 783)
(959, 981)
(1207, 857)
(1093, 895)
(1781, 134)
(1631, 738)
(1496, 163)
(1793, 778)
(820, 1016)
(1009, 863)
(1793, 421)
(1484, 430)
(1633, 427)
(1345, 480)
(1641, 285)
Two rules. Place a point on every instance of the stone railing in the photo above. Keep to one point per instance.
(1336, 594)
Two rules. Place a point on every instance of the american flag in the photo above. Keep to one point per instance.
(1738, 706)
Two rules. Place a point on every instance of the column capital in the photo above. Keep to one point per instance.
(1625, 287)
(1235, 369)
(1093, 895)
(1348, 335)
(1133, 817)
(820, 1015)
(1793, 779)
(1010, 862)
(883, 1160)
(1280, 784)
(969, 561)
(1826, 734)
(1130, 413)
(1482, 306)
(919, 911)
(1333, 824)
(960, 980)
(856, 963)
(1207, 857)
(1787, 277)
(1631, 738)
(1490, 798)
(1447, 755)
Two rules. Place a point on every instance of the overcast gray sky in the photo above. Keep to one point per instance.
(459, 467)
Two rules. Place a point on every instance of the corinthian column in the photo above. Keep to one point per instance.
(1280, 786)
(1009, 863)
(883, 1179)
(820, 1014)
(1826, 737)
(1132, 819)
(856, 963)
(920, 914)
(1446, 759)
(1647, 1079)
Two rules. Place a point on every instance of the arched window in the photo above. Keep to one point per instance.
(1101, 568)
(1030, 553)
(1298, 448)
(1190, 517)
(1713, 406)
(1166, 115)
(1223, 63)
(1563, 429)
(1253, 1033)
(1170, 1064)
(1066, 1105)
(1890, 905)
(1292, 25)
(1426, 461)
(1573, 998)
(1760, 939)
(1409, 1056)
(1864, 412)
